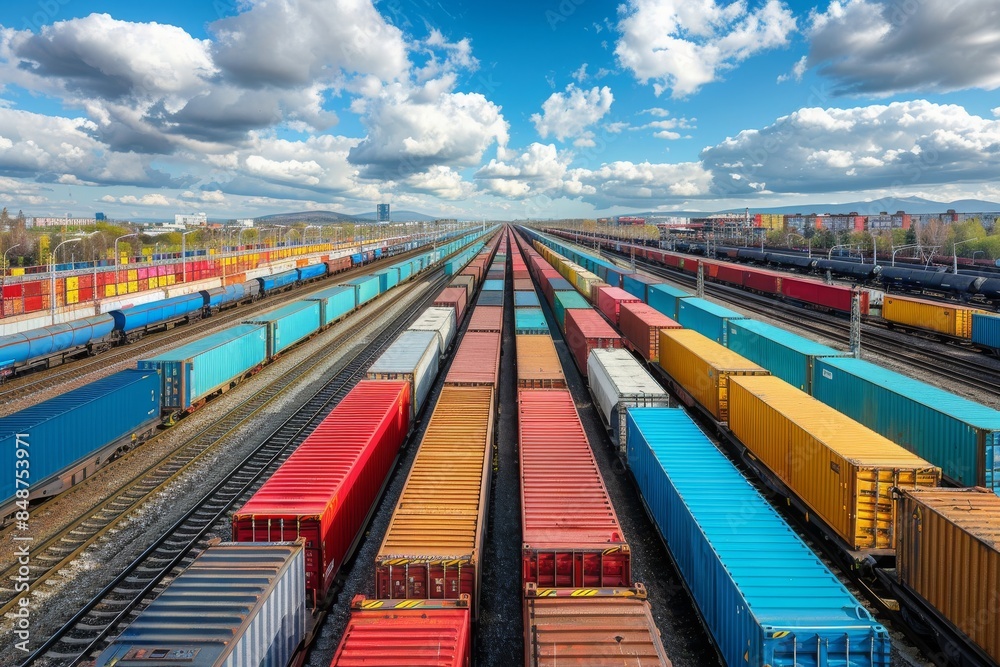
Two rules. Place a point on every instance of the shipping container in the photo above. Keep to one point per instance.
(587, 284)
(523, 285)
(365, 288)
(637, 284)
(236, 604)
(702, 367)
(618, 382)
(390, 633)
(387, 279)
(585, 331)
(412, 357)
(598, 628)
(839, 470)
(826, 297)
(563, 301)
(960, 436)
(783, 353)
(288, 325)
(526, 300)
(949, 556)
(489, 299)
(640, 326)
(486, 318)
(493, 285)
(610, 300)
(666, 299)
(334, 303)
(275, 282)
(550, 287)
(442, 322)
(433, 546)
(468, 282)
(765, 598)
(69, 436)
(538, 364)
(477, 360)
(986, 331)
(950, 319)
(355, 446)
(707, 318)
(337, 265)
(571, 537)
(453, 297)
(312, 272)
(193, 372)
(530, 321)
(147, 316)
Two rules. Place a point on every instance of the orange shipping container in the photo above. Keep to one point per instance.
(640, 326)
(537, 363)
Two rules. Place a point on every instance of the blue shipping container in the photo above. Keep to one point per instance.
(526, 299)
(278, 280)
(201, 368)
(666, 299)
(357, 258)
(81, 426)
(490, 298)
(311, 271)
(636, 284)
(709, 319)
(986, 331)
(217, 297)
(157, 312)
(530, 321)
(334, 303)
(365, 288)
(764, 596)
(959, 436)
(493, 285)
(287, 325)
(786, 355)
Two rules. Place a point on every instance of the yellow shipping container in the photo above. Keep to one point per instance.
(538, 364)
(132, 275)
(17, 272)
(132, 286)
(73, 282)
(587, 284)
(950, 319)
(109, 290)
(170, 278)
(154, 283)
(72, 296)
(702, 368)
(842, 471)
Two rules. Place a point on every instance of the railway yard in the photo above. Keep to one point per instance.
(507, 448)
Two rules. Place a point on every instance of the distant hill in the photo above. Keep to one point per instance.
(399, 216)
(889, 205)
(310, 217)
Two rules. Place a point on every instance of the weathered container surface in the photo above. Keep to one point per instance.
(287, 325)
(702, 368)
(523, 285)
(311, 272)
(959, 435)
(830, 297)
(387, 279)
(68, 436)
(158, 312)
(338, 264)
(530, 321)
(493, 284)
(570, 532)
(563, 301)
(365, 288)
(526, 299)
(356, 446)
(951, 319)
(477, 360)
(453, 297)
(442, 322)
(986, 331)
(707, 318)
(949, 555)
(193, 372)
(389, 633)
(595, 628)
(666, 299)
(585, 331)
(432, 547)
(278, 280)
(637, 285)
(784, 354)
(765, 598)
(640, 325)
(610, 300)
(618, 382)
(412, 357)
(841, 471)
(466, 281)
(489, 299)
(232, 605)
(486, 318)
(334, 303)
(538, 364)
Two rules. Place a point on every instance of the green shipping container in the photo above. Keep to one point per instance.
(564, 301)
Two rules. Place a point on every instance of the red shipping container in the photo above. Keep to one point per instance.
(670, 259)
(610, 299)
(731, 274)
(354, 448)
(585, 330)
(486, 318)
(390, 633)
(33, 304)
(475, 270)
(86, 294)
(640, 325)
(453, 297)
(832, 297)
(765, 282)
(571, 534)
(34, 288)
(12, 291)
(477, 360)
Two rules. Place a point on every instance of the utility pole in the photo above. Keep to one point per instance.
(856, 325)
(701, 280)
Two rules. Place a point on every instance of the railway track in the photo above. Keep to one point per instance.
(86, 631)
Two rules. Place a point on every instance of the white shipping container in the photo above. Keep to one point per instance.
(441, 321)
(617, 382)
(412, 357)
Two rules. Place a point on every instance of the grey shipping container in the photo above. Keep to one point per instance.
(439, 320)
(69, 436)
(618, 382)
(412, 357)
(194, 371)
(287, 325)
(236, 605)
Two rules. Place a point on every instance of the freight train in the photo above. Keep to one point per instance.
(66, 448)
(788, 408)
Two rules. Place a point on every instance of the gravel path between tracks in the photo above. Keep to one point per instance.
(97, 565)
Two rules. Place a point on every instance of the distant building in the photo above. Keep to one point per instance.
(163, 227)
(100, 217)
(59, 222)
(382, 213)
(191, 219)
(850, 222)
(769, 221)
(799, 223)
(244, 222)
(630, 220)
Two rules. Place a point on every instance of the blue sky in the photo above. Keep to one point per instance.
(461, 108)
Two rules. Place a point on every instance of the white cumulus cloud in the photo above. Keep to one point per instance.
(567, 115)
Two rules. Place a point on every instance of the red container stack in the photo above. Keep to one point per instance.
(453, 297)
(640, 325)
(610, 299)
(355, 448)
(585, 330)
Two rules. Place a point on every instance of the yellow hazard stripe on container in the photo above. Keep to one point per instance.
(780, 634)
(372, 604)
(584, 593)
(408, 604)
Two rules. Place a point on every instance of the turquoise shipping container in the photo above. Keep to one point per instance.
(366, 288)
(493, 285)
(565, 301)
(387, 279)
(523, 299)
(666, 299)
(334, 303)
(786, 355)
(530, 321)
(709, 319)
(287, 325)
(637, 285)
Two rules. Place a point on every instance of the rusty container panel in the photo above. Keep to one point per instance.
(477, 360)
(606, 628)
(432, 548)
(571, 535)
(486, 318)
(949, 555)
(538, 364)
(702, 368)
(843, 472)
(951, 319)
(640, 326)
(585, 331)
(610, 300)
